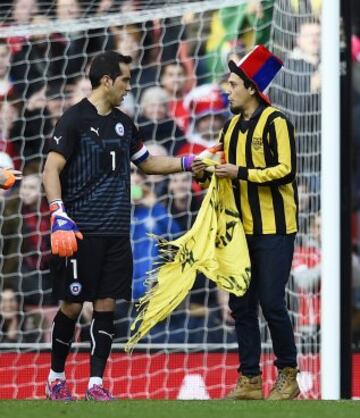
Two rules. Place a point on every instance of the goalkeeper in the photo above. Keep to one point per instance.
(87, 183)
(259, 148)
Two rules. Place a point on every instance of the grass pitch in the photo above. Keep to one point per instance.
(180, 409)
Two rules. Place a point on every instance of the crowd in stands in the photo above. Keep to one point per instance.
(43, 74)
(178, 100)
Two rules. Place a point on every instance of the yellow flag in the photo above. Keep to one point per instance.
(215, 246)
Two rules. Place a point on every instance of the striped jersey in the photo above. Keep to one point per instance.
(95, 181)
(264, 150)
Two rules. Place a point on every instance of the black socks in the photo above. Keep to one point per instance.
(61, 336)
(101, 333)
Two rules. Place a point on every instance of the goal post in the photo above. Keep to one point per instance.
(330, 198)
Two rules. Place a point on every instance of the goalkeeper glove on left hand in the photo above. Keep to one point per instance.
(63, 231)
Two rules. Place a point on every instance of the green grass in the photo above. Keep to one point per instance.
(181, 409)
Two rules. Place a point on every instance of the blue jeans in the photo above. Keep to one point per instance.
(271, 258)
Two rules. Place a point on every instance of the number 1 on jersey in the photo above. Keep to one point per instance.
(73, 261)
(113, 160)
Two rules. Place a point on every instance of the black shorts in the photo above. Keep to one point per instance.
(101, 268)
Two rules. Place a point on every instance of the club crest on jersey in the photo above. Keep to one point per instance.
(75, 288)
(119, 129)
(257, 142)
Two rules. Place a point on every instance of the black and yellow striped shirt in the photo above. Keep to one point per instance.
(265, 191)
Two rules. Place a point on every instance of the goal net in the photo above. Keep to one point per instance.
(180, 51)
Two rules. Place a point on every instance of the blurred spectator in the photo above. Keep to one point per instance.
(183, 203)
(6, 84)
(22, 13)
(356, 115)
(172, 79)
(296, 91)
(235, 54)
(128, 105)
(29, 132)
(78, 46)
(288, 16)
(26, 234)
(149, 217)
(158, 182)
(207, 105)
(68, 10)
(128, 40)
(103, 7)
(155, 123)
(8, 114)
(79, 90)
(15, 326)
(38, 61)
(10, 316)
(355, 322)
(306, 272)
(74, 43)
(246, 24)
(301, 7)
(197, 36)
(55, 102)
(355, 48)
(174, 45)
(309, 203)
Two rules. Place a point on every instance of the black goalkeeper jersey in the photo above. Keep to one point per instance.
(96, 178)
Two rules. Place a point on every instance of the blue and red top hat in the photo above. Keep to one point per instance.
(259, 66)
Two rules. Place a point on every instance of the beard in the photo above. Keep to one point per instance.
(235, 109)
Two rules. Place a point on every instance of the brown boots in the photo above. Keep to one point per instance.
(247, 388)
(250, 388)
(286, 386)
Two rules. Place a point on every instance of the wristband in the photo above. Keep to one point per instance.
(186, 162)
(56, 205)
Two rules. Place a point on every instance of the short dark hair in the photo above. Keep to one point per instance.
(234, 68)
(106, 63)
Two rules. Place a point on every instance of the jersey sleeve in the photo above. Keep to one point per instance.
(65, 134)
(138, 151)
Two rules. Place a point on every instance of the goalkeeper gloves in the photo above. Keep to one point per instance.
(8, 176)
(63, 231)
